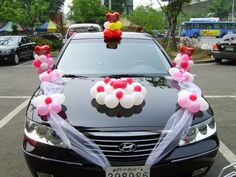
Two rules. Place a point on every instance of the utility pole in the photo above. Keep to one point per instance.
(110, 4)
(233, 10)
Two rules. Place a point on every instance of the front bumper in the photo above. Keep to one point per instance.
(7, 57)
(224, 55)
(61, 162)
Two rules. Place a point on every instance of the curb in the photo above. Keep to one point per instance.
(204, 61)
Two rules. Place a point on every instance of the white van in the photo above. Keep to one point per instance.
(81, 28)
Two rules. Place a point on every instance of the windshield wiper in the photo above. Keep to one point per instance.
(130, 75)
(74, 76)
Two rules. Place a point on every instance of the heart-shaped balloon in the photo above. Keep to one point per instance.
(41, 50)
(187, 50)
(112, 17)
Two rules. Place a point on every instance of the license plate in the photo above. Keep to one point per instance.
(229, 49)
(132, 171)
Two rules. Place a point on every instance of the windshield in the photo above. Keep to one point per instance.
(8, 41)
(228, 37)
(132, 56)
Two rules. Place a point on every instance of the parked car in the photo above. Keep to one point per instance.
(16, 48)
(81, 28)
(126, 136)
(157, 34)
(225, 49)
(52, 36)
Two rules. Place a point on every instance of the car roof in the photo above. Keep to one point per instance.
(100, 35)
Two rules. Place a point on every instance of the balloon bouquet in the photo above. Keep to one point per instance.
(112, 92)
(112, 32)
(43, 60)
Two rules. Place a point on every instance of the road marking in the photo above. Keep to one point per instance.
(15, 97)
(220, 96)
(25, 63)
(227, 153)
(13, 113)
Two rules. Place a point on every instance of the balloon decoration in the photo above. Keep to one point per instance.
(183, 59)
(112, 27)
(46, 104)
(43, 60)
(181, 75)
(112, 92)
(51, 75)
(191, 101)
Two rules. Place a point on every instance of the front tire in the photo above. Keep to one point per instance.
(16, 59)
(195, 35)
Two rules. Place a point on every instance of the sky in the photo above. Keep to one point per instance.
(136, 4)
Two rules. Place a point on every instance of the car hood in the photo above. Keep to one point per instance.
(83, 111)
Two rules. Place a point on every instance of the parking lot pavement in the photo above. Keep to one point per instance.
(217, 82)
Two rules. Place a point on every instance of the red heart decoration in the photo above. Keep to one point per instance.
(41, 50)
(187, 50)
(112, 17)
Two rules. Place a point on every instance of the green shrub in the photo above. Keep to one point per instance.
(54, 45)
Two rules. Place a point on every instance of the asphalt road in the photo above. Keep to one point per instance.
(17, 83)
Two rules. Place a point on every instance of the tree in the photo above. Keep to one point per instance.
(147, 17)
(172, 11)
(90, 11)
(219, 8)
(117, 6)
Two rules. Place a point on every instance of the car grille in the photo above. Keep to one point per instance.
(111, 144)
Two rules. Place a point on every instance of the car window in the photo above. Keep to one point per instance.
(27, 40)
(228, 37)
(132, 56)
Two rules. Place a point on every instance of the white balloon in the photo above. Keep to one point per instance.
(36, 57)
(203, 104)
(173, 70)
(102, 83)
(106, 24)
(144, 92)
(44, 66)
(138, 98)
(184, 93)
(100, 98)
(127, 101)
(38, 100)
(43, 58)
(178, 59)
(93, 91)
(111, 101)
(109, 89)
(128, 90)
(59, 98)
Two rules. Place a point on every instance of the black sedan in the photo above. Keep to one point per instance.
(225, 49)
(16, 48)
(126, 136)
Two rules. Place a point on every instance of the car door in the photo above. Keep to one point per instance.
(22, 49)
(29, 47)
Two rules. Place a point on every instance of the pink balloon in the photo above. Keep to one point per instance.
(50, 62)
(186, 77)
(183, 101)
(43, 110)
(194, 106)
(56, 107)
(185, 57)
(177, 74)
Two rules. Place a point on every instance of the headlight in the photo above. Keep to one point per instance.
(198, 132)
(43, 134)
(6, 51)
